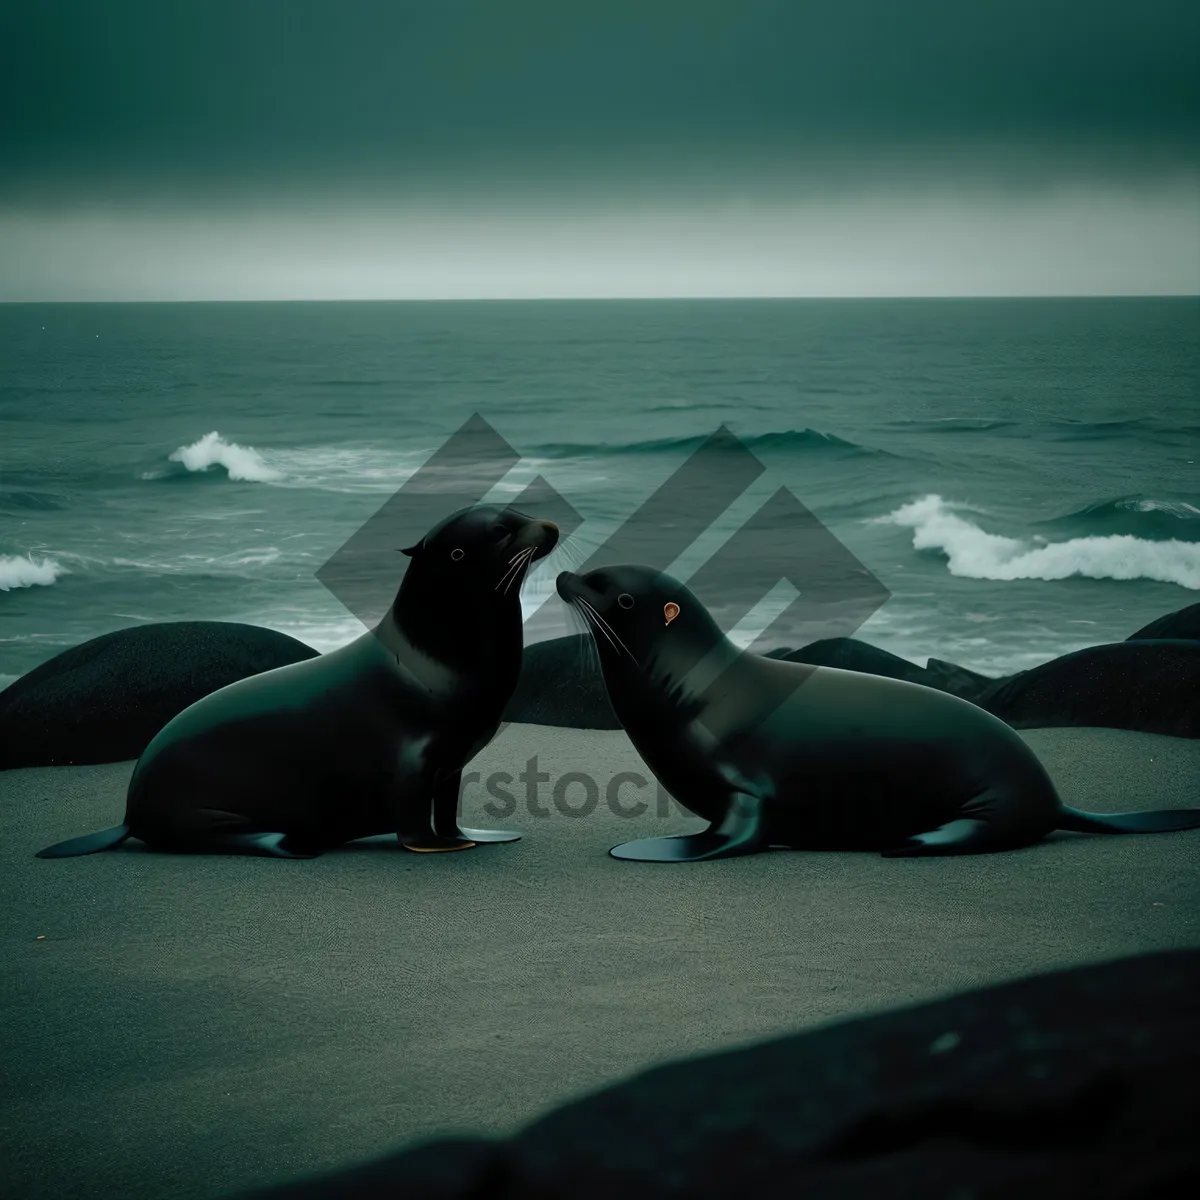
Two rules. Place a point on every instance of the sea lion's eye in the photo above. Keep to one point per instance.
(456, 555)
(625, 600)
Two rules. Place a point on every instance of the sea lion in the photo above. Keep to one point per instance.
(775, 753)
(368, 739)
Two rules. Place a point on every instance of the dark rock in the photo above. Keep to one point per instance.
(1182, 624)
(850, 654)
(1151, 686)
(1081, 1083)
(105, 700)
(561, 684)
(959, 681)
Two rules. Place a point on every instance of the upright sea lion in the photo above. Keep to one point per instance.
(368, 739)
(775, 753)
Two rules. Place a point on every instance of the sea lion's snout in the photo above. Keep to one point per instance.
(547, 531)
(542, 536)
(594, 588)
(566, 585)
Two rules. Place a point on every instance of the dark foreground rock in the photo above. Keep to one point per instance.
(1080, 1083)
(104, 701)
(560, 684)
(1182, 624)
(1150, 686)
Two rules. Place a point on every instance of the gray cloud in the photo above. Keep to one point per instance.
(174, 149)
(116, 95)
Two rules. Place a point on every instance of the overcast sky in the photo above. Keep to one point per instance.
(291, 149)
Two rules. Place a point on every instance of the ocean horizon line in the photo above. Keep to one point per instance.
(572, 299)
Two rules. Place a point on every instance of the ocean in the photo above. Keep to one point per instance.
(1021, 475)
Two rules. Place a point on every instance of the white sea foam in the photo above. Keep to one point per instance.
(973, 553)
(18, 572)
(1175, 508)
(241, 462)
(348, 469)
(322, 635)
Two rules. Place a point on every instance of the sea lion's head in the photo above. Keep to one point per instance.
(481, 546)
(460, 599)
(642, 621)
(665, 660)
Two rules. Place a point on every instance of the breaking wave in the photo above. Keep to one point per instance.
(973, 553)
(18, 572)
(241, 463)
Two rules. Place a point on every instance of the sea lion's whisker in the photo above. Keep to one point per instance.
(600, 629)
(593, 619)
(586, 654)
(518, 573)
(519, 562)
(514, 568)
(573, 552)
(613, 636)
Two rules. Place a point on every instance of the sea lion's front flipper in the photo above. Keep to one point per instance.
(489, 835)
(445, 816)
(414, 819)
(741, 831)
(964, 836)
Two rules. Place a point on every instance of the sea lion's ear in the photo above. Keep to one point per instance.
(412, 550)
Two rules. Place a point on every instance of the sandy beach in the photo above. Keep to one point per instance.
(195, 1026)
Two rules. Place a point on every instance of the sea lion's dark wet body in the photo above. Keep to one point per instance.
(774, 753)
(368, 739)
(366, 746)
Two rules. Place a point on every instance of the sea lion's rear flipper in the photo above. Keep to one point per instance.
(741, 831)
(90, 843)
(964, 836)
(1161, 820)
